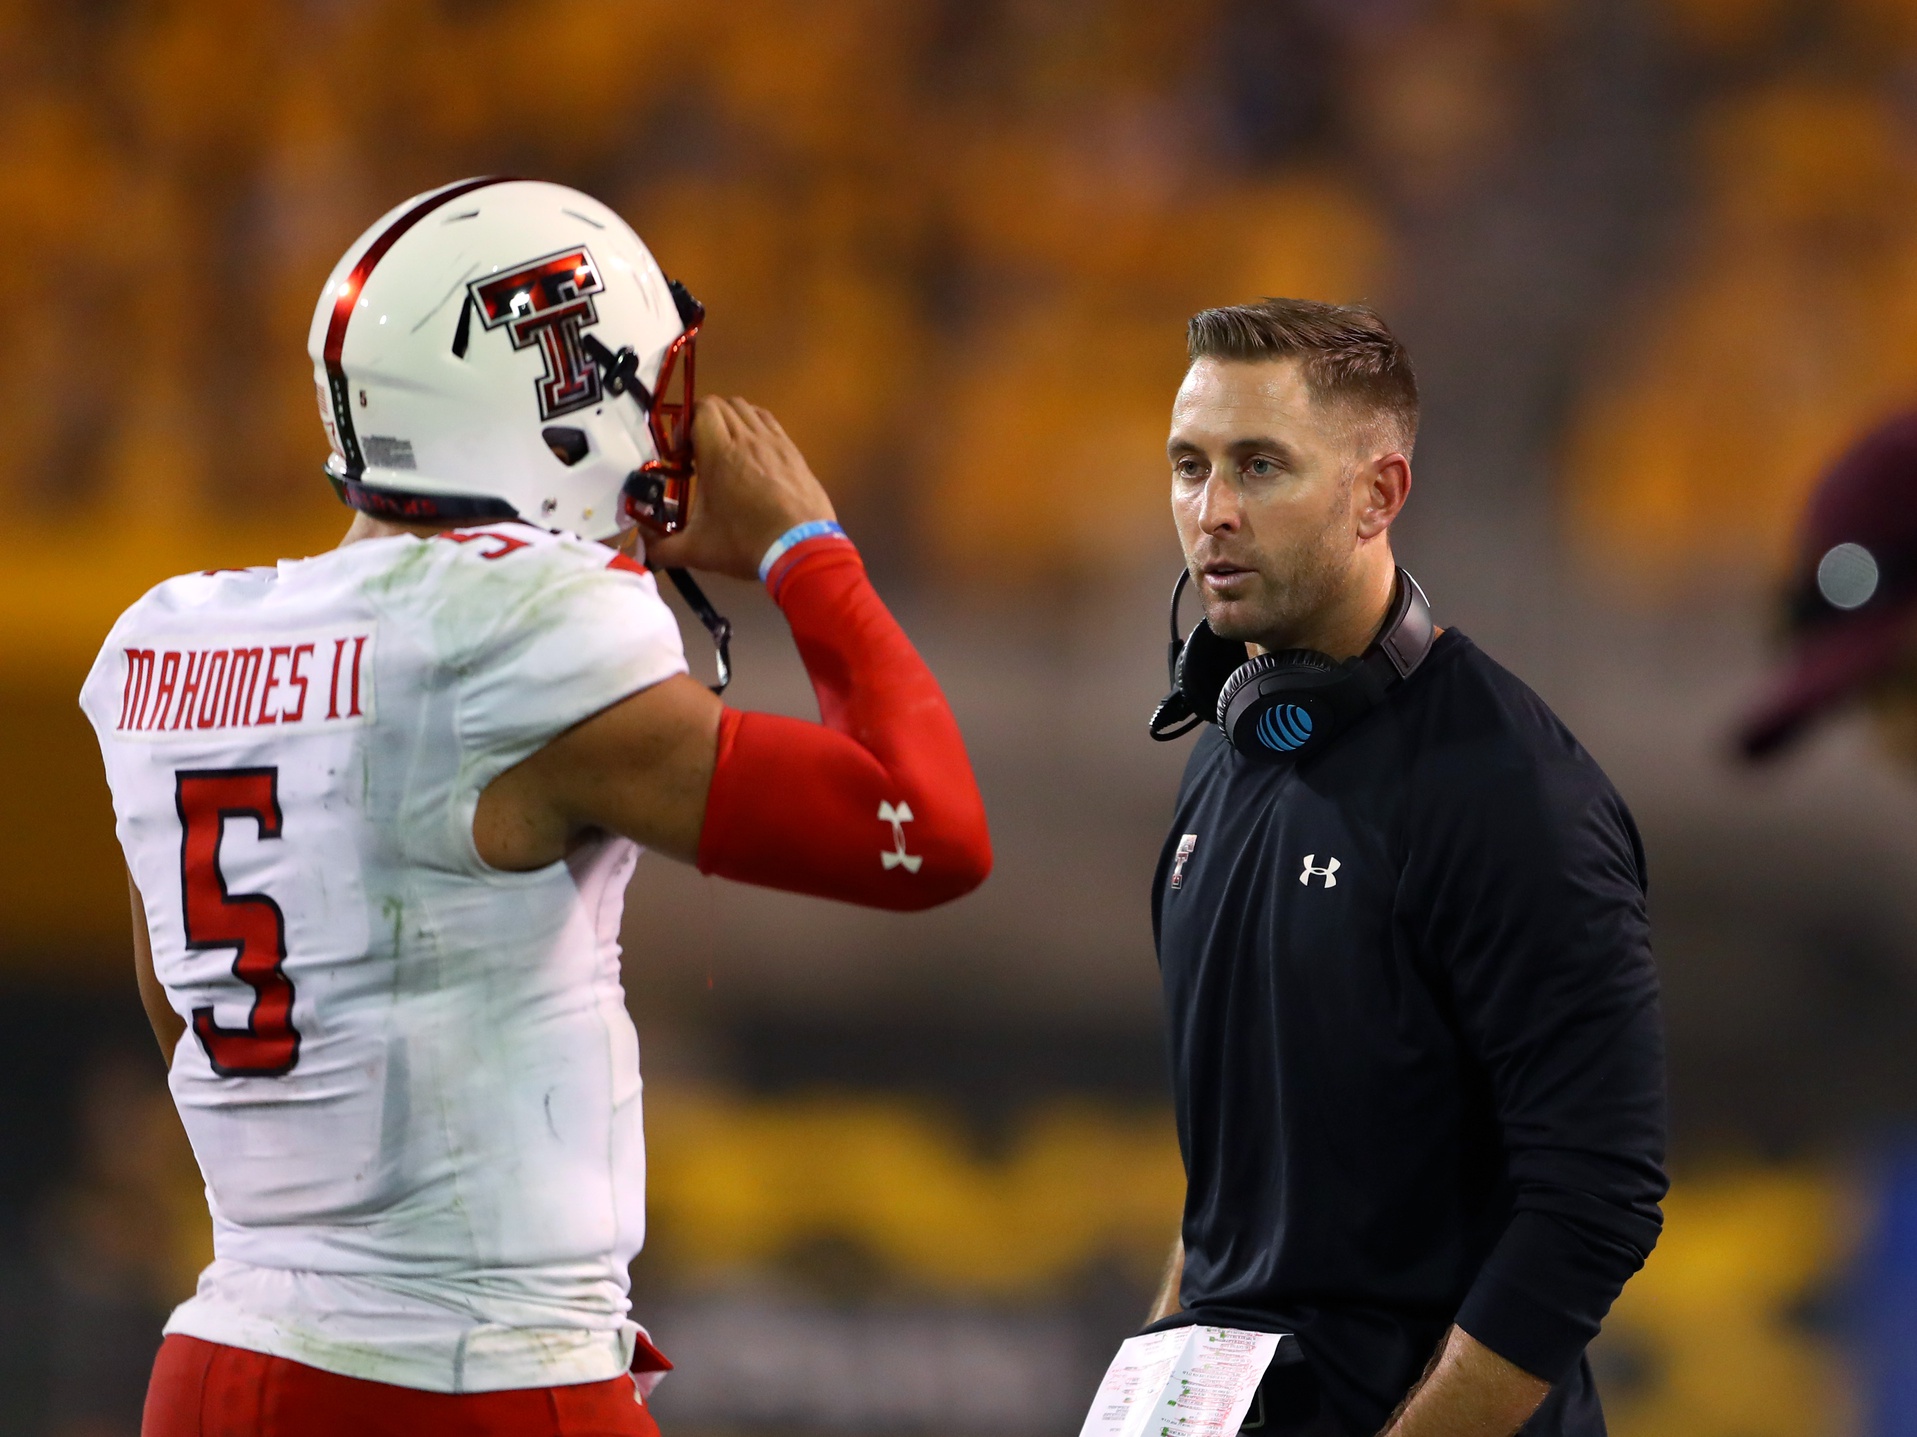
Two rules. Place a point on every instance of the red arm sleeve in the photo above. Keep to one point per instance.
(876, 804)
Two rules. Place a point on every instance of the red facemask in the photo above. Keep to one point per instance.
(659, 493)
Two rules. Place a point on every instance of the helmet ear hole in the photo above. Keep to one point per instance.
(568, 445)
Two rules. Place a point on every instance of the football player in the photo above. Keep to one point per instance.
(379, 809)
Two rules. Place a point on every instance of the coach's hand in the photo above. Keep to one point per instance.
(753, 484)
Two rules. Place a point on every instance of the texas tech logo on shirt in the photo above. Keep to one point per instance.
(1186, 845)
(302, 681)
(548, 302)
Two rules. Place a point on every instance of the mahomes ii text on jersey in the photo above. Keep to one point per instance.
(411, 1082)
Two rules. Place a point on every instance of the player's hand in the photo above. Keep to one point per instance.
(753, 484)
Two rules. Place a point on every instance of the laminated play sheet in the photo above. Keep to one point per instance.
(1185, 1382)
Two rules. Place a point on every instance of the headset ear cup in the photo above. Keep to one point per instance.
(1235, 685)
(1280, 707)
(1269, 726)
(1204, 667)
(1286, 706)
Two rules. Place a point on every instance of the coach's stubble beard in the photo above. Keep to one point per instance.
(1301, 582)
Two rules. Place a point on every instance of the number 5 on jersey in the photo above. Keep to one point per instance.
(249, 923)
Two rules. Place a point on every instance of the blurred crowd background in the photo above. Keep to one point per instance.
(1655, 260)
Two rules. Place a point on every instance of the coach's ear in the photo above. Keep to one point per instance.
(1380, 492)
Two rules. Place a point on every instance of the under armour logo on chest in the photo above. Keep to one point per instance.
(898, 815)
(1329, 872)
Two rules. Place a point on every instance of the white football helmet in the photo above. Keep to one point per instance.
(501, 348)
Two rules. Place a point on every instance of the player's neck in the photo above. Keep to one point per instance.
(365, 526)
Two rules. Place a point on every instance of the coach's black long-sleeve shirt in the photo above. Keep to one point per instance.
(1416, 1050)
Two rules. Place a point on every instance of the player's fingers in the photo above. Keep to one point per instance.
(779, 446)
(752, 419)
(732, 439)
(738, 415)
(711, 426)
(771, 423)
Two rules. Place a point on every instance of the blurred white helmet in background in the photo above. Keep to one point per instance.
(499, 347)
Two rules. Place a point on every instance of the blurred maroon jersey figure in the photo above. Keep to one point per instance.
(1851, 635)
(379, 809)
(1852, 608)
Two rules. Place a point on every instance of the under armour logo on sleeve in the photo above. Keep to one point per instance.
(1329, 872)
(898, 816)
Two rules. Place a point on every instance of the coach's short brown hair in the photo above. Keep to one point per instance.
(1348, 355)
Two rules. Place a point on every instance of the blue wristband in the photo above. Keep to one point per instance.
(792, 537)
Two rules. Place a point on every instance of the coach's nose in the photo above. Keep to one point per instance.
(1221, 508)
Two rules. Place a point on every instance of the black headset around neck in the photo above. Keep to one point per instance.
(1286, 706)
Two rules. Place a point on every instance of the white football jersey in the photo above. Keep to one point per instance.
(409, 1078)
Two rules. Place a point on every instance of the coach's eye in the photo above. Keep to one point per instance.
(568, 446)
(1261, 467)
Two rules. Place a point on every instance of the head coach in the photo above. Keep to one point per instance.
(1417, 1056)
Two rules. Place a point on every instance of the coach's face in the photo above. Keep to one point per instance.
(1280, 507)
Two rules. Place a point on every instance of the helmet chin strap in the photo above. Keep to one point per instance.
(717, 624)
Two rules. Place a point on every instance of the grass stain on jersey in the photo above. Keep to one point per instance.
(394, 909)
